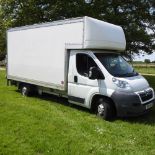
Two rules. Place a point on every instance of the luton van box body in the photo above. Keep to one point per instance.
(79, 59)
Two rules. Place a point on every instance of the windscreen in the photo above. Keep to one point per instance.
(116, 65)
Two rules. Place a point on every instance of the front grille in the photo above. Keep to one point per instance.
(146, 95)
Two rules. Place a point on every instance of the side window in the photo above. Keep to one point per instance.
(83, 64)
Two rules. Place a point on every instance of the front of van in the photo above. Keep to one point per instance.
(132, 94)
(129, 90)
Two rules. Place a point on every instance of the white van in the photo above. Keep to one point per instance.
(79, 59)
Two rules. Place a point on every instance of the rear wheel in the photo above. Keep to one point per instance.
(105, 109)
(25, 90)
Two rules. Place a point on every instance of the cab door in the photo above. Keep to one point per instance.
(79, 85)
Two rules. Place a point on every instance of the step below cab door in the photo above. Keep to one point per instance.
(79, 85)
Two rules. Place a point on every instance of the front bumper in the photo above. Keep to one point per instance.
(129, 104)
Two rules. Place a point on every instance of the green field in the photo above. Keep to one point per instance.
(48, 125)
(144, 68)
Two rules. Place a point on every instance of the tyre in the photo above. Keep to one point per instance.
(25, 90)
(105, 109)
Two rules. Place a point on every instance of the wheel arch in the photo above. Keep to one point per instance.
(32, 88)
(97, 97)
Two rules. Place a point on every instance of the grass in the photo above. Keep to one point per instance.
(146, 70)
(48, 125)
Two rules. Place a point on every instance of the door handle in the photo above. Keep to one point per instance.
(75, 79)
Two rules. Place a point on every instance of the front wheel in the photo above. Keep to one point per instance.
(105, 109)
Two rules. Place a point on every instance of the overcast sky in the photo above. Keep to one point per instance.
(142, 58)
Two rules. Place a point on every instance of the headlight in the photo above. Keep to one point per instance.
(121, 84)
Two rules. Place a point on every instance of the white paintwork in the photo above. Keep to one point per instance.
(137, 83)
(86, 88)
(37, 53)
(103, 35)
(84, 85)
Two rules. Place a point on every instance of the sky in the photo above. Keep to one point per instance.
(142, 58)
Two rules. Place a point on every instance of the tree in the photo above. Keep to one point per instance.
(4, 24)
(2, 39)
(136, 17)
(147, 61)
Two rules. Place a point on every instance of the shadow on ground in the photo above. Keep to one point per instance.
(147, 119)
(60, 100)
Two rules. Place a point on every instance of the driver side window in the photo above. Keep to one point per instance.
(83, 64)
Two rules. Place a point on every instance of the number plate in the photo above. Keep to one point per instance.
(148, 106)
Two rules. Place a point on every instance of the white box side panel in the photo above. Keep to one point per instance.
(103, 35)
(38, 54)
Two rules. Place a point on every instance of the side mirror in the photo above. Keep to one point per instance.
(95, 73)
